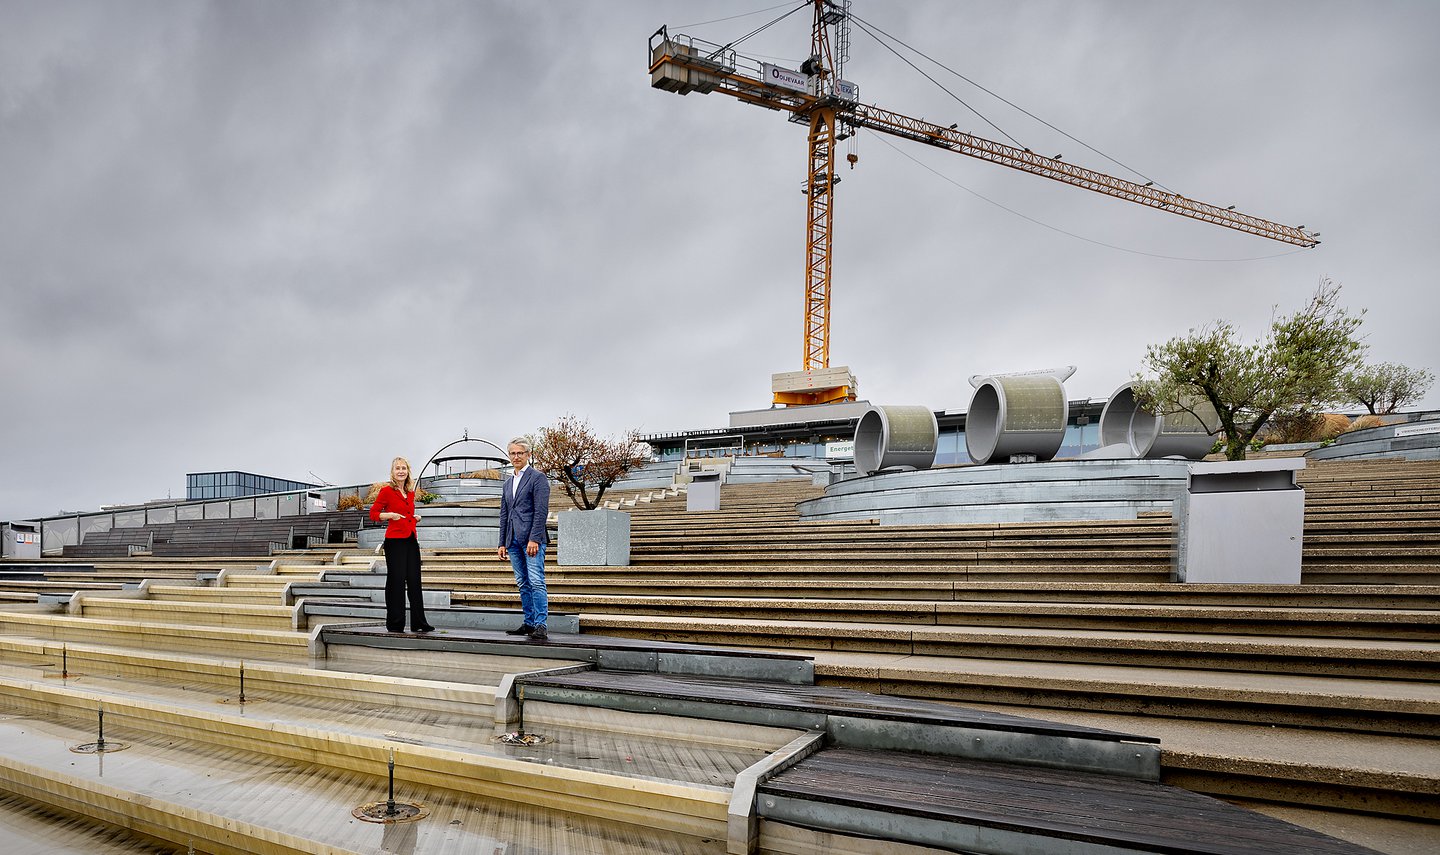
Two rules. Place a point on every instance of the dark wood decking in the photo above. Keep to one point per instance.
(1078, 806)
(820, 699)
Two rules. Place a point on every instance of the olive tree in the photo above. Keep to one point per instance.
(1295, 369)
(1386, 387)
(585, 465)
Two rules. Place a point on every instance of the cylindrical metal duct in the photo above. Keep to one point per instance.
(1016, 414)
(1115, 418)
(1150, 436)
(896, 438)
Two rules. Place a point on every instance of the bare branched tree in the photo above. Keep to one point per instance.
(584, 464)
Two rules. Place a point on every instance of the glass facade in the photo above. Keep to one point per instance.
(233, 485)
(56, 534)
(90, 525)
(71, 529)
(798, 439)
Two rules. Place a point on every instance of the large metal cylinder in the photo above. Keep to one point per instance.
(894, 438)
(1179, 434)
(1115, 418)
(1016, 414)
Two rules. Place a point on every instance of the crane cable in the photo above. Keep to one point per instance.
(866, 29)
(731, 17)
(760, 29)
(867, 26)
(984, 198)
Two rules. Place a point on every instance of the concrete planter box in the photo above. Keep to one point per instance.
(598, 538)
(446, 528)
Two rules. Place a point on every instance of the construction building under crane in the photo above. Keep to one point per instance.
(818, 96)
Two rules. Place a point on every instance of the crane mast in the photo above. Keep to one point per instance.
(818, 96)
(819, 224)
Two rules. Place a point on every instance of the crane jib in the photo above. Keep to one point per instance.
(719, 77)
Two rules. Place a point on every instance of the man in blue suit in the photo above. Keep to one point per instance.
(524, 507)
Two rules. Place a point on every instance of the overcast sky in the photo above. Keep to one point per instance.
(303, 237)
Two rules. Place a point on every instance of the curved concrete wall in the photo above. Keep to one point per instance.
(896, 437)
(463, 489)
(1057, 490)
(651, 476)
(757, 470)
(1016, 414)
(1419, 440)
(447, 528)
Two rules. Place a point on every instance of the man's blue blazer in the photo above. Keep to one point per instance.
(523, 518)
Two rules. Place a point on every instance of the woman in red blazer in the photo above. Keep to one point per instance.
(396, 504)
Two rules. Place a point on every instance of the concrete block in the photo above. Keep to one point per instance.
(598, 538)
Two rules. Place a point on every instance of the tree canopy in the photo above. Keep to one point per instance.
(1386, 387)
(585, 465)
(1295, 369)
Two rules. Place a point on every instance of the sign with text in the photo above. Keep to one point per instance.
(844, 450)
(778, 76)
(1417, 430)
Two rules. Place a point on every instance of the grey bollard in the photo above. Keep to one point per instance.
(896, 438)
(1016, 415)
(1150, 436)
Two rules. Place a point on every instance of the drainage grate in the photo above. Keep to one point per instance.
(391, 811)
(524, 740)
(104, 746)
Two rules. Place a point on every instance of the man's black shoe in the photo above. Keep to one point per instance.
(426, 628)
(522, 629)
(539, 633)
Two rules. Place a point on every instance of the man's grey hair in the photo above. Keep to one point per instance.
(522, 442)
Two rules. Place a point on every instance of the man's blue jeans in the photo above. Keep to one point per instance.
(530, 579)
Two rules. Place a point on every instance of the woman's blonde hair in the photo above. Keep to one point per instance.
(409, 485)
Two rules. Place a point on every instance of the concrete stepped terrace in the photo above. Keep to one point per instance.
(304, 727)
(1057, 643)
(1316, 703)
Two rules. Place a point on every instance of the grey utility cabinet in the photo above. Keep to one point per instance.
(1241, 522)
(704, 492)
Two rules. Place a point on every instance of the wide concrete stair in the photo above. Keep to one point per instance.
(1319, 698)
(1318, 702)
(230, 756)
(236, 741)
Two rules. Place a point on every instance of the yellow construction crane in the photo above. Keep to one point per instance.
(817, 95)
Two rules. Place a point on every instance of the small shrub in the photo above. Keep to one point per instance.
(1333, 425)
(486, 474)
(1305, 427)
(351, 501)
(1364, 422)
(426, 497)
(1293, 427)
